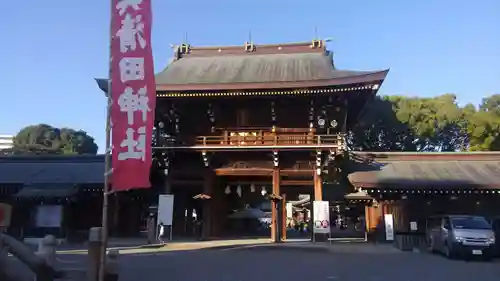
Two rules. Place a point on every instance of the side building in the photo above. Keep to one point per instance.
(62, 195)
(6, 141)
(413, 186)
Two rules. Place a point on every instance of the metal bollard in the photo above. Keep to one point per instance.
(94, 253)
(112, 265)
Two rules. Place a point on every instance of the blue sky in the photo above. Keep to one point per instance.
(52, 50)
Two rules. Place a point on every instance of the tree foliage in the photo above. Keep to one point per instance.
(397, 123)
(45, 139)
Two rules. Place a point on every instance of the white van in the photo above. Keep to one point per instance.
(460, 235)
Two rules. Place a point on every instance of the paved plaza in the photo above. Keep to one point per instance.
(297, 262)
(262, 265)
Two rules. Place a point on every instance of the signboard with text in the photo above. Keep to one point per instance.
(321, 217)
(165, 209)
(133, 93)
(389, 227)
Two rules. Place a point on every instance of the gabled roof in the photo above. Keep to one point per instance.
(259, 71)
(279, 66)
(30, 170)
(427, 170)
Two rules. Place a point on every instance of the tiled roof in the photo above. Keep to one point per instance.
(253, 69)
(292, 65)
(52, 169)
(429, 173)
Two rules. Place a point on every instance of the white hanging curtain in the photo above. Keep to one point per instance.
(238, 190)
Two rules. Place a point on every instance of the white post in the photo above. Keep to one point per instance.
(47, 250)
(94, 253)
(112, 268)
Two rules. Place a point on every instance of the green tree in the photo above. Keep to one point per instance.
(437, 123)
(379, 129)
(45, 139)
(397, 123)
(483, 126)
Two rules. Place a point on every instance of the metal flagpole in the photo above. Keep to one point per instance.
(107, 159)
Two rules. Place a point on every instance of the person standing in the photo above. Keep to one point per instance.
(161, 232)
(151, 226)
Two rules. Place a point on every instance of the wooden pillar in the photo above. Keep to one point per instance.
(208, 188)
(283, 216)
(167, 189)
(318, 187)
(217, 209)
(274, 210)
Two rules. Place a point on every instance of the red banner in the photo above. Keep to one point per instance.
(133, 92)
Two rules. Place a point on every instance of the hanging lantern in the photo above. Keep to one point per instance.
(238, 190)
(252, 187)
(228, 190)
(264, 191)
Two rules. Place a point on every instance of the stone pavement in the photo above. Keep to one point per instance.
(251, 260)
(321, 247)
(346, 262)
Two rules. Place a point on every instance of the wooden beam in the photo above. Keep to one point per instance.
(318, 187)
(296, 172)
(274, 211)
(283, 217)
(243, 172)
(260, 172)
(297, 182)
(208, 186)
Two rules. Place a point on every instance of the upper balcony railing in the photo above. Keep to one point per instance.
(260, 138)
(270, 140)
(247, 140)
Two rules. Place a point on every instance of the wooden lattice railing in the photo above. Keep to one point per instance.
(270, 140)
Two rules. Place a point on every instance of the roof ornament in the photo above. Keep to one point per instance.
(249, 46)
(316, 44)
(184, 49)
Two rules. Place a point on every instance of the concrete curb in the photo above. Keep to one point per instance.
(269, 247)
(151, 246)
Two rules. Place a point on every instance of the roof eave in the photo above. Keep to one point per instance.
(102, 83)
(393, 156)
(374, 77)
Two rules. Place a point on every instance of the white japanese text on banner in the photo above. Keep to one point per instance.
(133, 92)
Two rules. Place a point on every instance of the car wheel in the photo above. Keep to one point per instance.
(430, 245)
(448, 251)
(488, 257)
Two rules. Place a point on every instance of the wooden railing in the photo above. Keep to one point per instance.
(271, 140)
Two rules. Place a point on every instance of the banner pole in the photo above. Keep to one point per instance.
(106, 191)
(107, 159)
